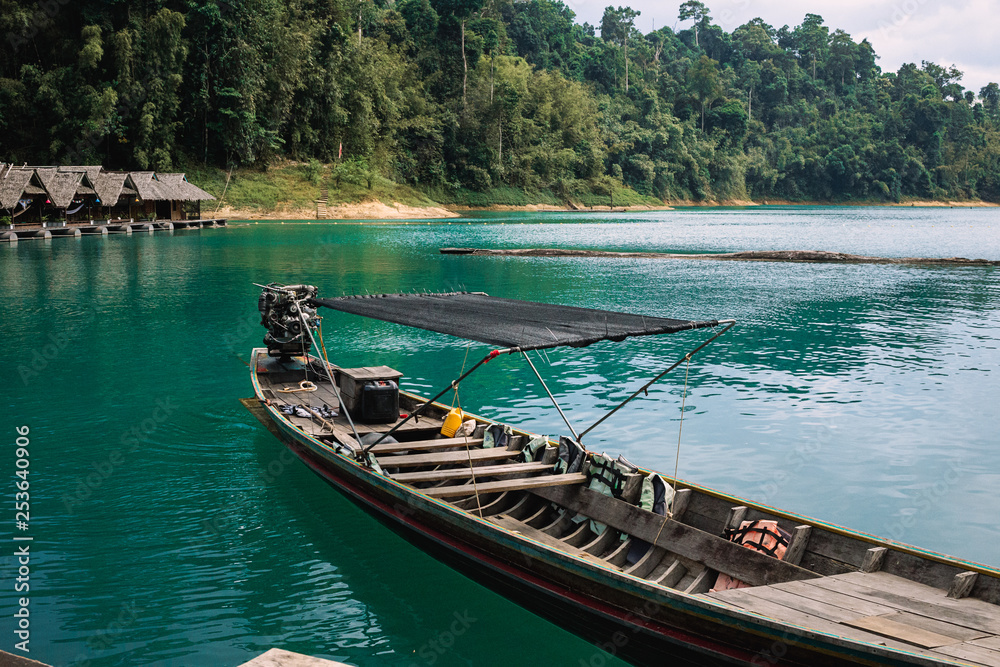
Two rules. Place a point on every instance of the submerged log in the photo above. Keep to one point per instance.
(815, 256)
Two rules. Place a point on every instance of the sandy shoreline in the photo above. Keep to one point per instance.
(371, 210)
(376, 210)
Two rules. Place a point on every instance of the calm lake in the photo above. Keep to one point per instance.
(170, 528)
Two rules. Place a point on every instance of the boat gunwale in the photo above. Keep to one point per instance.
(704, 608)
(681, 483)
(596, 571)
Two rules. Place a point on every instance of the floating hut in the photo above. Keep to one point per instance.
(56, 196)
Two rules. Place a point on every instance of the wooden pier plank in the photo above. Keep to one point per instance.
(938, 596)
(941, 627)
(565, 479)
(988, 642)
(280, 658)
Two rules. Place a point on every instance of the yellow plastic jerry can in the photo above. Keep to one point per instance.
(452, 423)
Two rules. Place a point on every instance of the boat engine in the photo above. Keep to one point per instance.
(285, 314)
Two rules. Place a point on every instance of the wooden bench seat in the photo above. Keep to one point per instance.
(507, 485)
(446, 458)
(424, 445)
(507, 470)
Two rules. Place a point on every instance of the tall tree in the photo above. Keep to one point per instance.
(990, 95)
(692, 9)
(703, 82)
(616, 26)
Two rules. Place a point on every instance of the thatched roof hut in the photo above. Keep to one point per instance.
(60, 185)
(13, 181)
(145, 186)
(176, 187)
(92, 171)
(110, 185)
(152, 186)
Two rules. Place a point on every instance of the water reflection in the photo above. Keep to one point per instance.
(863, 395)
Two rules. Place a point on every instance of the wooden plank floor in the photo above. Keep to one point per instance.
(906, 595)
(882, 608)
(745, 598)
(341, 427)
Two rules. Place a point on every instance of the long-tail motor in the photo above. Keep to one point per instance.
(285, 313)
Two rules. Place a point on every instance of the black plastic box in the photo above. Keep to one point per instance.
(370, 394)
(379, 403)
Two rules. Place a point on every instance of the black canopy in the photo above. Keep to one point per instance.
(506, 322)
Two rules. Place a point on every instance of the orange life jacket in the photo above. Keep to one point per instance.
(764, 536)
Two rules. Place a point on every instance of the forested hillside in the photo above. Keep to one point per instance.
(479, 94)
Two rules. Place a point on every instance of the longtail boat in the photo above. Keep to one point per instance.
(651, 568)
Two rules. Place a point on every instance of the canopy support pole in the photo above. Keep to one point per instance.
(554, 402)
(454, 385)
(329, 373)
(687, 357)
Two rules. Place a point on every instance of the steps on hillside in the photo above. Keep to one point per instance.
(321, 211)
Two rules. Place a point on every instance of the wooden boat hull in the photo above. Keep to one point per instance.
(621, 614)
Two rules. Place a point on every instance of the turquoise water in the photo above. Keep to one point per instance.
(169, 528)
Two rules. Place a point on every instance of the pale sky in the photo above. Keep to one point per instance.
(948, 32)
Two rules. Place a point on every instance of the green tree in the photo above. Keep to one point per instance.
(703, 82)
(692, 9)
(990, 95)
(616, 26)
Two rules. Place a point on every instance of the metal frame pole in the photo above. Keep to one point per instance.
(646, 386)
(553, 398)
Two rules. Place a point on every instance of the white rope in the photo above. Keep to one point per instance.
(468, 450)
(670, 512)
(680, 426)
(305, 385)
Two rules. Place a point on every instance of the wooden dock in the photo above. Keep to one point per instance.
(103, 228)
